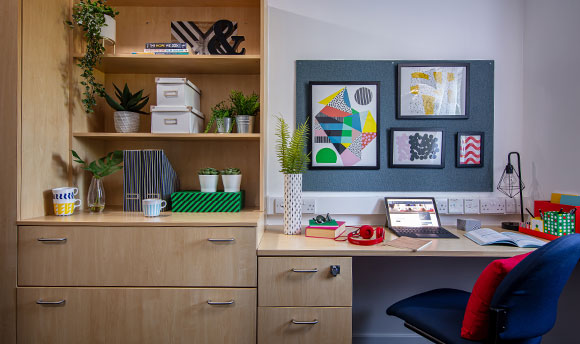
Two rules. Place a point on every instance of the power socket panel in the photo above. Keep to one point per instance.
(456, 206)
(308, 205)
(471, 205)
(442, 205)
(510, 206)
(492, 206)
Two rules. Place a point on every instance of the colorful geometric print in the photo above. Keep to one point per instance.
(470, 150)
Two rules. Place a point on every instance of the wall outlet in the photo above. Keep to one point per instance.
(471, 206)
(442, 206)
(308, 205)
(455, 206)
(510, 206)
(492, 206)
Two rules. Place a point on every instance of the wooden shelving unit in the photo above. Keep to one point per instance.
(167, 137)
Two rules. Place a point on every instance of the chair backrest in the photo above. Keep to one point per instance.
(529, 293)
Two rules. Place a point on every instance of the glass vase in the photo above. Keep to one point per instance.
(96, 196)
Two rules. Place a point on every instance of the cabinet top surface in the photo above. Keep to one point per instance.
(275, 243)
(245, 218)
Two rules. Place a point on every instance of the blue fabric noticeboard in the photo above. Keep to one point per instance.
(450, 178)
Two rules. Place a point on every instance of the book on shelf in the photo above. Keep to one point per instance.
(166, 51)
(326, 230)
(166, 46)
(487, 236)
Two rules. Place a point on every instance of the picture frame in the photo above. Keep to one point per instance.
(345, 125)
(417, 148)
(470, 149)
(433, 91)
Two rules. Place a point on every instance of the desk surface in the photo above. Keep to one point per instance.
(275, 243)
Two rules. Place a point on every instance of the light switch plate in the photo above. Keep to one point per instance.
(455, 206)
(471, 206)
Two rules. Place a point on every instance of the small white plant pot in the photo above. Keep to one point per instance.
(127, 121)
(109, 31)
(292, 204)
(208, 183)
(232, 182)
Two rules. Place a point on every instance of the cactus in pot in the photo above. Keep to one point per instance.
(128, 109)
(208, 179)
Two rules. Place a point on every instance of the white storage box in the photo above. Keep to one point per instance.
(177, 92)
(176, 119)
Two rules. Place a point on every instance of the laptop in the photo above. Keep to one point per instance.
(415, 217)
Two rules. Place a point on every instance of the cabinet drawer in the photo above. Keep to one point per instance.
(304, 281)
(137, 256)
(128, 315)
(304, 325)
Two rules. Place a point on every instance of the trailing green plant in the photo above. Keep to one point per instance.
(102, 167)
(208, 171)
(244, 105)
(291, 149)
(218, 113)
(231, 171)
(90, 16)
(128, 101)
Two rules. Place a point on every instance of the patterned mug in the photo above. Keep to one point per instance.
(65, 207)
(64, 193)
(152, 206)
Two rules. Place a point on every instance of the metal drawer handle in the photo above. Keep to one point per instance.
(221, 240)
(313, 322)
(51, 239)
(169, 94)
(305, 270)
(220, 303)
(51, 303)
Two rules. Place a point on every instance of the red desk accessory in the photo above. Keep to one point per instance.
(543, 206)
(364, 236)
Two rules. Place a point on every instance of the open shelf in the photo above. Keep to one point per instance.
(168, 137)
(185, 3)
(179, 64)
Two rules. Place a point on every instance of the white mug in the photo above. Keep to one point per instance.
(64, 193)
(152, 206)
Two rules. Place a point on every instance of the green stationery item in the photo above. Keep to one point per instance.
(559, 224)
(207, 202)
(332, 223)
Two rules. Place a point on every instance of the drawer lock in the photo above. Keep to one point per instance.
(334, 270)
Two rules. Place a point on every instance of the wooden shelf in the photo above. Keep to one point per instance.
(185, 3)
(168, 137)
(179, 64)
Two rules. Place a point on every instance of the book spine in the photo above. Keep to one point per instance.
(165, 51)
(165, 45)
(171, 53)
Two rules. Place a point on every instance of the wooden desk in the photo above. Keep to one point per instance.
(295, 282)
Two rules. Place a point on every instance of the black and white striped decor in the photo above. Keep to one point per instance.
(188, 32)
(363, 96)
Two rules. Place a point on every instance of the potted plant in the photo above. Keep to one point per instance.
(245, 109)
(293, 159)
(128, 109)
(91, 17)
(208, 179)
(222, 116)
(100, 168)
(232, 179)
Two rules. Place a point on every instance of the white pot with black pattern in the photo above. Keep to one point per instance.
(292, 204)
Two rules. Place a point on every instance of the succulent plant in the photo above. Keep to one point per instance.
(218, 113)
(208, 171)
(127, 100)
(242, 105)
(231, 171)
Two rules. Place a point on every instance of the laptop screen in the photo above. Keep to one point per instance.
(411, 212)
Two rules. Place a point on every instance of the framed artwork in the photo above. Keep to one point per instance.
(433, 91)
(417, 148)
(469, 149)
(344, 124)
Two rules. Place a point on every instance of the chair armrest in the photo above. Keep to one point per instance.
(497, 324)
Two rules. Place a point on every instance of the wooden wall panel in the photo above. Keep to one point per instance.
(45, 108)
(9, 117)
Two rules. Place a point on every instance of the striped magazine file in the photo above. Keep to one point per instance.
(133, 179)
(159, 179)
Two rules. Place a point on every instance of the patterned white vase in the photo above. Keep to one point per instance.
(127, 121)
(292, 204)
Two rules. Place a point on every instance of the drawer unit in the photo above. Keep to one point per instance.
(140, 316)
(137, 256)
(305, 325)
(177, 92)
(304, 281)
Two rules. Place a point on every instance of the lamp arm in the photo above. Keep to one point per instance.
(520, 183)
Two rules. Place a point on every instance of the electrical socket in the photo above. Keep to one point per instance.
(510, 206)
(308, 205)
(492, 206)
(455, 206)
(442, 206)
(471, 206)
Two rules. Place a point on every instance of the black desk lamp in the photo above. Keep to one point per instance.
(511, 184)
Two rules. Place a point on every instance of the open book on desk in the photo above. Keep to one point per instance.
(487, 236)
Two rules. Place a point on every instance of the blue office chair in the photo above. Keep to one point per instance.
(523, 308)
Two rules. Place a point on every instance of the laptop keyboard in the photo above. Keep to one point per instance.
(422, 230)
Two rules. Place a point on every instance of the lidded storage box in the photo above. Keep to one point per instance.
(177, 92)
(176, 119)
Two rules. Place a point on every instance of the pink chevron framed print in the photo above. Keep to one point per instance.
(344, 125)
(469, 149)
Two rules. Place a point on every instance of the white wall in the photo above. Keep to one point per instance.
(379, 29)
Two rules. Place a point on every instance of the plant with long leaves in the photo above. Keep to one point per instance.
(102, 167)
(127, 100)
(218, 113)
(291, 149)
(90, 16)
(243, 105)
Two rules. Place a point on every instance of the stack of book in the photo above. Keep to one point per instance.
(328, 230)
(166, 48)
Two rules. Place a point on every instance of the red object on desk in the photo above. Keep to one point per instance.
(545, 206)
